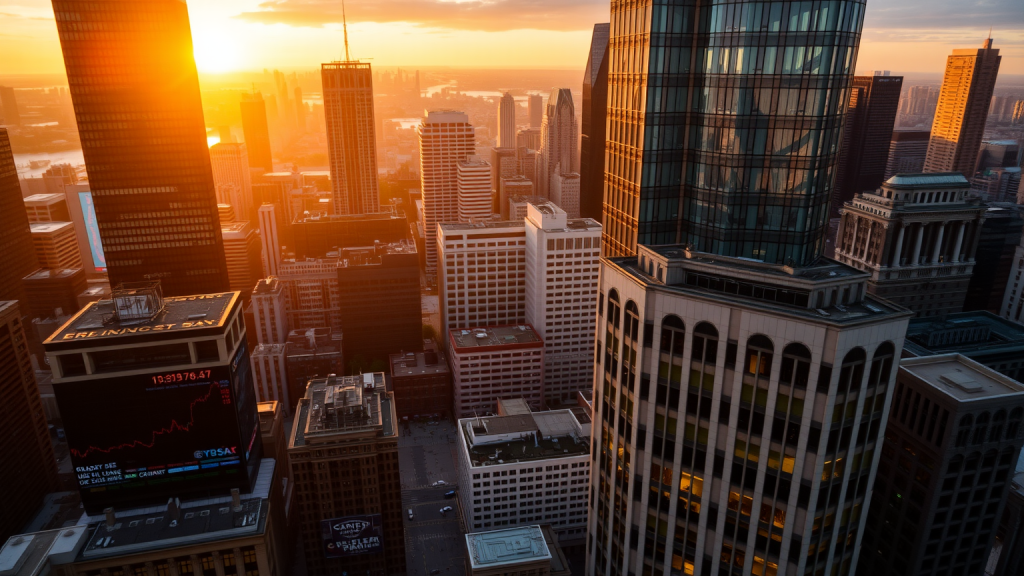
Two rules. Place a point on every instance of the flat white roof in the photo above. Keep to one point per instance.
(507, 547)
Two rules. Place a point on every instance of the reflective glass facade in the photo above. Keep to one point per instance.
(725, 122)
(135, 90)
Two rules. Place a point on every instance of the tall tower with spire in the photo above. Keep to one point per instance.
(962, 110)
(351, 140)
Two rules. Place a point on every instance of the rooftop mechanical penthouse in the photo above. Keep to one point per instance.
(156, 396)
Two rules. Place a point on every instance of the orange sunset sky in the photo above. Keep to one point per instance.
(904, 36)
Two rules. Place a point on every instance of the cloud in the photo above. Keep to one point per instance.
(474, 15)
(951, 21)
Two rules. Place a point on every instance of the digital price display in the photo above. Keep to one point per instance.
(167, 433)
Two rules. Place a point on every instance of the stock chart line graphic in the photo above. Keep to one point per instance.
(174, 426)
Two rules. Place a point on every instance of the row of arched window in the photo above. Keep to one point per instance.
(989, 427)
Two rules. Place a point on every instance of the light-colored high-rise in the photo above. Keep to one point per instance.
(542, 270)
(232, 178)
(242, 254)
(271, 244)
(268, 308)
(446, 138)
(739, 408)
(474, 182)
(563, 260)
(565, 191)
(507, 121)
(270, 374)
(351, 144)
(536, 110)
(560, 133)
(962, 110)
(481, 274)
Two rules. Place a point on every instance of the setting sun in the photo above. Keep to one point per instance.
(215, 53)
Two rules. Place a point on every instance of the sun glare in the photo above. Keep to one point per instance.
(215, 53)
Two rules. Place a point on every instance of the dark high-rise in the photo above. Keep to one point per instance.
(29, 470)
(595, 114)
(874, 101)
(136, 94)
(724, 133)
(257, 135)
(15, 233)
(952, 438)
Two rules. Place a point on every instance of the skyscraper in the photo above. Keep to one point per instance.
(595, 115)
(951, 442)
(962, 110)
(351, 144)
(872, 114)
(269, 240)
(535, 108)
(16, 242)
(740, 118)
(233, 179)
(474, 182)
(507, 121)
(446, 138)
(559, 152)
(709, 458)
(9, 106)
(257, 135)
(907, 150)
(29, 470)
(136, 94)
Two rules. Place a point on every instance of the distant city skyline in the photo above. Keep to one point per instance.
(237, 35)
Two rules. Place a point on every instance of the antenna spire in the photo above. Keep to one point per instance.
(344, 25)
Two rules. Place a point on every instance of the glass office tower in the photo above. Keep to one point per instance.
(134, 85)
(725, 124)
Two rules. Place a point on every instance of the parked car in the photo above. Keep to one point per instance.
(410, 514)
(439, 483)
(449, 494)
(446, 509)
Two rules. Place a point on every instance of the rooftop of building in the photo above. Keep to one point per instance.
(268, 286)
(418, 363)
(1000, 142)
(967, 333)
(142, 530)
(371, 255)
(44, 198)
(513, 407)
(525, 199)
(130, 312)
(318, 216)
(474, 226)
(934, 180)
(269, 349)
(49, 227)
(342, 405)
(507, 547)
(32, 554)
(789, 290)
(267, 412)
(495, 336)
(53, 274)
(445, 117)
(526, 437)
(234, 228)
(961, 378)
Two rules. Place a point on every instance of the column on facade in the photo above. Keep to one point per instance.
(172, 567)
(899, 246)
(959, 241)
(151, 569)
(867, 240)
(916, 253)
(218, 563)
(937, 249)
(856, 230)
(239, 562)
(261, 560)
(197, 565)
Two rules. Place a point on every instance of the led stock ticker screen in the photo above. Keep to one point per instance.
(143, 436)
